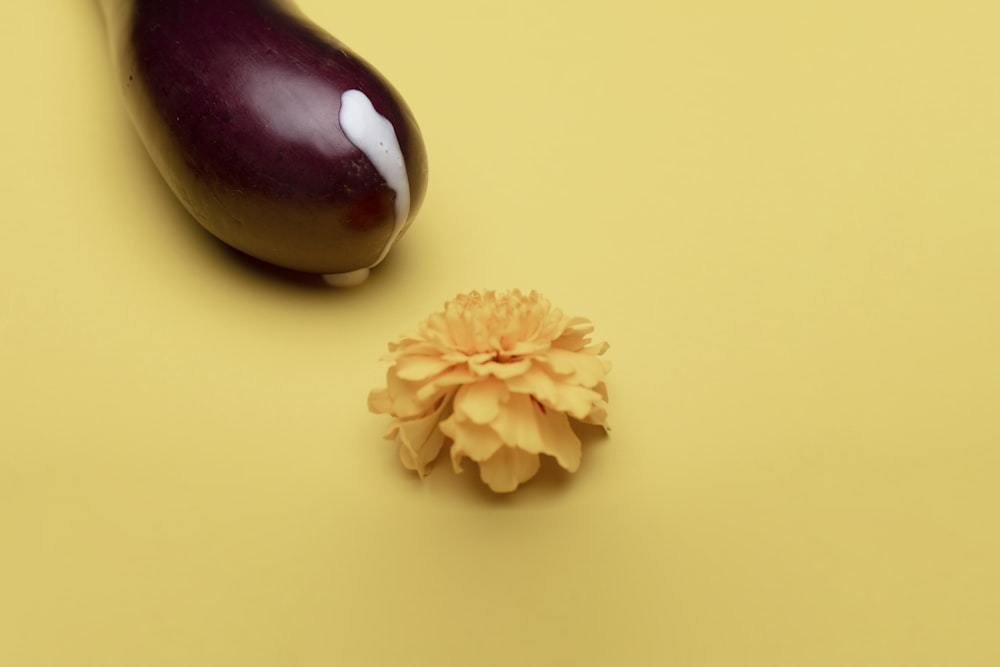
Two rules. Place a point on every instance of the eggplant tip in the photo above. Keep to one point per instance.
(346, 279)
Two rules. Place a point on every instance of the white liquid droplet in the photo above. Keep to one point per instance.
(375, 136)
(349, 279)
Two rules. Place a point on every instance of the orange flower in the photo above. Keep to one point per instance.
(498, 376)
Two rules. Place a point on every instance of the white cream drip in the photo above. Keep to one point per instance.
(374, 135)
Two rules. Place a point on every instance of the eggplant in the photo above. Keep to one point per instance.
(277, 139)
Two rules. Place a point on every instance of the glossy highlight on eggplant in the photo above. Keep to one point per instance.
(278, 140)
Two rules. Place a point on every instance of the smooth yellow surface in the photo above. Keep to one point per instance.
(784, 216)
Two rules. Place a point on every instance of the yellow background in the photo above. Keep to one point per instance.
(784, 216)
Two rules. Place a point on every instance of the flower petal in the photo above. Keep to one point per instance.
(420, 367)
(420, 440)
(561, 441)
(407, 401)
(526, 425)
(598, 416)
(379, 401)
(562, 396)
(508, 468)
(524, 348)
(574, 339)
(584, 369)
(481, 402)
(470, 440)
(599, 411)
(392, 431)
(457, 376)
(501, 370)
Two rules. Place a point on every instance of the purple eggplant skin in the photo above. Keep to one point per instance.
(238, 103)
